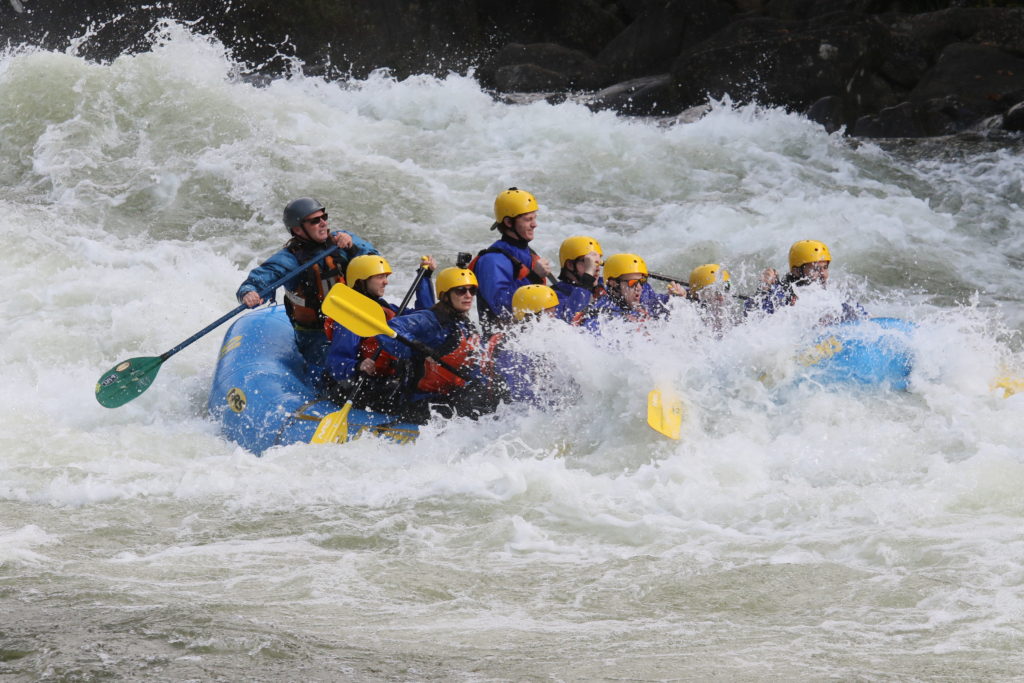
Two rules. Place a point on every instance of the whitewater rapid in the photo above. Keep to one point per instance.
(795, 531)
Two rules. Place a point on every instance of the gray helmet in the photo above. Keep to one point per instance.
(298, 209)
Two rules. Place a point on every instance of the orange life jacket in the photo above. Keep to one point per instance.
(303, 302)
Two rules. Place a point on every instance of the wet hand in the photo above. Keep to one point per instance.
(770, 276)
(591, 263)
(251, 299)
(542, 267)
(367, 367)
(429, 262)
(343, 240)
(676, 289)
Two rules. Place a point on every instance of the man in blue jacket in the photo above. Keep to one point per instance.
(306, 220)
(509, 263)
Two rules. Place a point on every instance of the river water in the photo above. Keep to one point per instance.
(795, 531)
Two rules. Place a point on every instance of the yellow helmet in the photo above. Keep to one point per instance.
(620, 264)
(454, 277)
(808, 251)
(532, 299)
(708, 274)
(513, 202)
(576, 247)
(362, 267)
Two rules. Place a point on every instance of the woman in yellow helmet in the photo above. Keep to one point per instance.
(349, 354)
(447, 331)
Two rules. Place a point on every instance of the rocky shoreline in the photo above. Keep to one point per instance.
(871, 67)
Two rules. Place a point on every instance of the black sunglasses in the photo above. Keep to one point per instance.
(316, 219)
(461, 291)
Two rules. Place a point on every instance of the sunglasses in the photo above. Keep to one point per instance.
(634, 283)
(463, 291)
(316, 219)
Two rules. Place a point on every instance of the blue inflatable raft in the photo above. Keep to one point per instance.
(262, 398)
(876, 351)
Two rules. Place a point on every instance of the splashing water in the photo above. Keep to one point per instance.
(795, 531)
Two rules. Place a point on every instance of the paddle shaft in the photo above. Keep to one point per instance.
(267, 291)
(668, 278)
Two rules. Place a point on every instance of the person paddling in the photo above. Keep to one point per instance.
(579, 282)
(350, 355)
(809, 262)
(710, 290)
(447, 330)
(522, 377)
(629, 297)
(509, 263)
(306, 221)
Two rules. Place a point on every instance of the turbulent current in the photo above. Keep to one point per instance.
(795, 531)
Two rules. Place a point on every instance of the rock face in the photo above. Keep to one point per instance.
(878, 68)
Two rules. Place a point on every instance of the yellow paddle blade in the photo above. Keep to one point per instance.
(333, 428)
(665, 413)
(1009, 385)
(360, 314)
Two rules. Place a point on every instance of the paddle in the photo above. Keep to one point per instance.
(131, 377)
(665, 413)
(668, 278)
(365, 318)
(1009, 384)
(333, 428)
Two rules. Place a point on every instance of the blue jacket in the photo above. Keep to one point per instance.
(574, 300)
(285, 261)
(499, 280)
(652, 306)
(769, 299)
(343, 355)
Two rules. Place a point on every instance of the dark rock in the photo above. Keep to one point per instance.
(647, 96)
(981, 76)
(779, 63)
(1014, 119)
(659, 33)
(894, 122)
(929, 33)
(938, 116)
(578, 70)
(529, 78)
(828, 111)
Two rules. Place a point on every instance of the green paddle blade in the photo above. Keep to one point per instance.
(333, 428)
(360, 314)
(665, 414)
(126, 380)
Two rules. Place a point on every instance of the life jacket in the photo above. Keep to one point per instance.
(369, 347)
(461, 349)
(520, 270)
(302, 303)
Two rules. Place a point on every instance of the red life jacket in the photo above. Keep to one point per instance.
(465, 351)
(369, 347)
